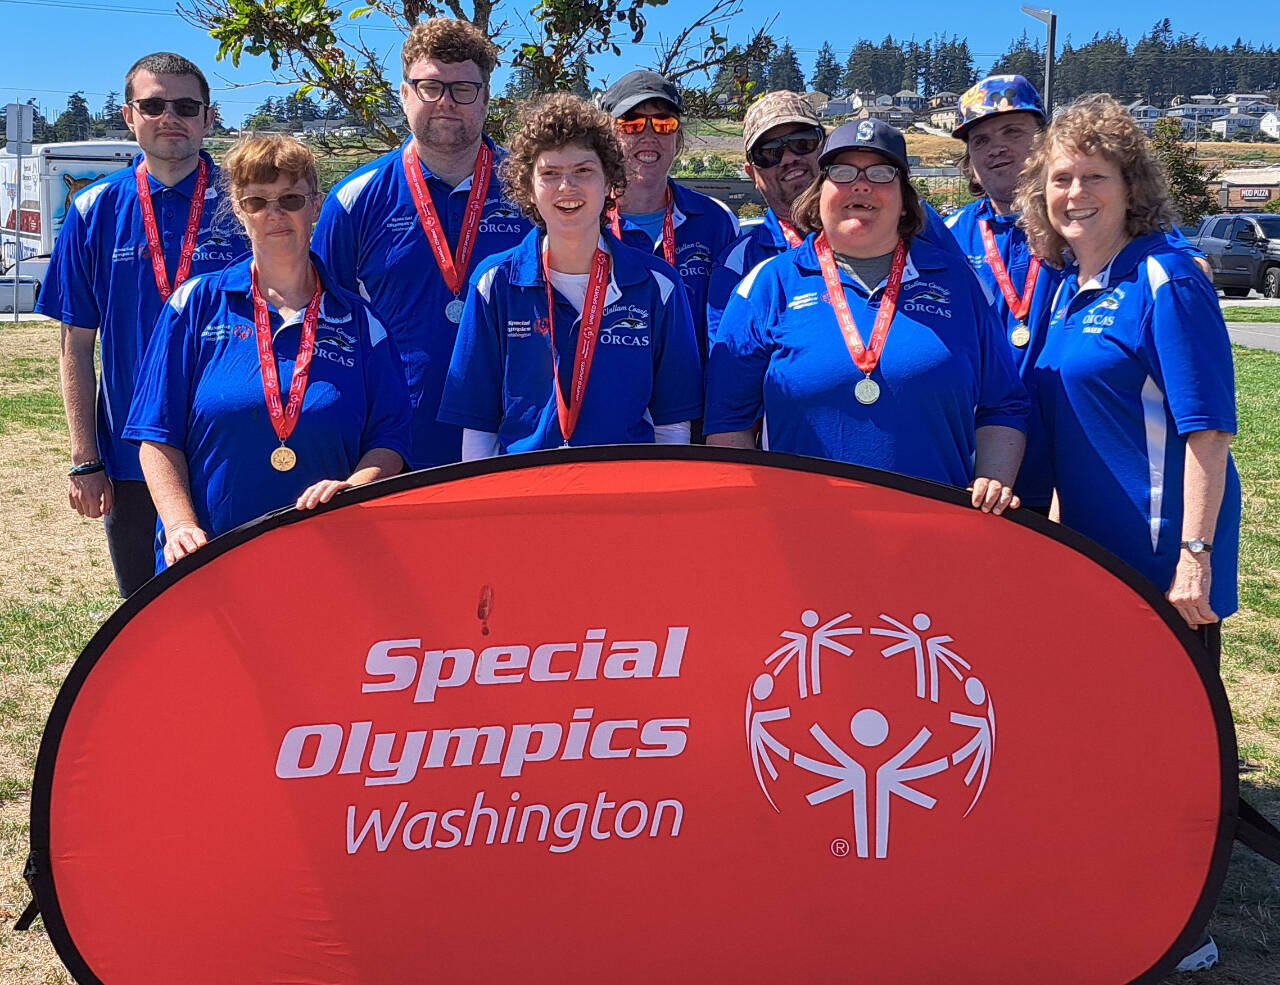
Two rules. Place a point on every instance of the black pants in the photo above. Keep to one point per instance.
(131, 535)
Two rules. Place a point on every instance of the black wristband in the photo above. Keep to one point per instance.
(87, 468)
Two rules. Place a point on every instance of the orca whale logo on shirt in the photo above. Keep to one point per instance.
(930, 299)
(694, 258)
(338, 339)
(504, 219)
(625, 331)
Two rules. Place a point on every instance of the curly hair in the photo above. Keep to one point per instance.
(807, 217)
(554, 121)
(1093, 125)
(448, 40)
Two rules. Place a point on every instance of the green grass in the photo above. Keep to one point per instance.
(1263, 314)
(36, 409)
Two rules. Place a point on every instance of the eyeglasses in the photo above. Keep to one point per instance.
(769, 153)
(462, 93)
(635, 123)
(847, 174)
(154, 106)
(292, 202)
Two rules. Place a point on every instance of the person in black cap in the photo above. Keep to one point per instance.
(685, 227)
(868, 344)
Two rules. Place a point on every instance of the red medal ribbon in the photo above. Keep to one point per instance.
(189, 238)
(284, 418)
(789, 232)
(454, 270)
(588, 335)
(668, 229)
(866, 358)
(1018, 305)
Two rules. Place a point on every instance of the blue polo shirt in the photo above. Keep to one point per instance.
(100, 276)
(704, 226)
(646, 370)
(370, 236)
(200, 390)
(753, 246)
(766, 239)
(1035, 477)
(944, 372)
(1133, 362)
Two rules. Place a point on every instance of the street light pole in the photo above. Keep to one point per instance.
(1050, 20)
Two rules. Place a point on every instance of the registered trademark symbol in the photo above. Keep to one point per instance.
(839, 848)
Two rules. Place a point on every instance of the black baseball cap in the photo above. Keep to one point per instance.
(868, 134)
(634, 88)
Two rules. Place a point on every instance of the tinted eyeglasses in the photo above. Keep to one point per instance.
(294, 201)
(154, 106)
(634, 123)
(769, 153)
(847, 174)
(462, 93)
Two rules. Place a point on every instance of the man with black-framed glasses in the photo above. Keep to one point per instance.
(782, 137)
(407, 229)
(127, 243)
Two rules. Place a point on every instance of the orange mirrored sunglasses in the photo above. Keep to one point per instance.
(662, 124)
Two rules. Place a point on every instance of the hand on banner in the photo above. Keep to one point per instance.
(184, 539)
(993, 496)
(1190, 591)
(91, 495)
(322, 492)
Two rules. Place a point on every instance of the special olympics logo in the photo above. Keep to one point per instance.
(805, 741)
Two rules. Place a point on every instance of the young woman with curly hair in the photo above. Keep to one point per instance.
(1135, 379)
(571, 337)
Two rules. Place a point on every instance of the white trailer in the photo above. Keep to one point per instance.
(32, 211)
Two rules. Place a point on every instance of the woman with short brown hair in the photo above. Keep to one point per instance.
(266, 385)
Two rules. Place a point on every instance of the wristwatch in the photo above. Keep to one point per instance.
(1197, 546)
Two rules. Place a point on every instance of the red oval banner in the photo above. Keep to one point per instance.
(682, 717)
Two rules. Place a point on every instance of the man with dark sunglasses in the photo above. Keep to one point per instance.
(782, 137)
(686, 228)
(407, 230)
(127, 243)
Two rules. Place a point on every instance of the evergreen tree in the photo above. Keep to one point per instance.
(75, 122)
(1023, 57)
(915, 66)
(890, 65)
(111, 111)
(826, 71)
(859, 69)
(784, 70)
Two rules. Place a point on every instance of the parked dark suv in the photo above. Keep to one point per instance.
(1244, 251)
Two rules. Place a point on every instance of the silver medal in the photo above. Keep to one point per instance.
(453, 310)
(867, 391)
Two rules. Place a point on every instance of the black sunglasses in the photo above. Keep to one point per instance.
(462, 93)
(294, 201)
(154, 106)
(769, 153)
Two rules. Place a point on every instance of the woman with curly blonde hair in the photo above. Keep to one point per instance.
(1135, 379)
(571, 337)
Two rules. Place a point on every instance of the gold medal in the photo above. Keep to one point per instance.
(1020, 336)
(283, 459)
(867, 391)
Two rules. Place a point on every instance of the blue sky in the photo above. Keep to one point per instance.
(88, 44)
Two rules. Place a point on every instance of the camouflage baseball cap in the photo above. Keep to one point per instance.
(773, 109)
